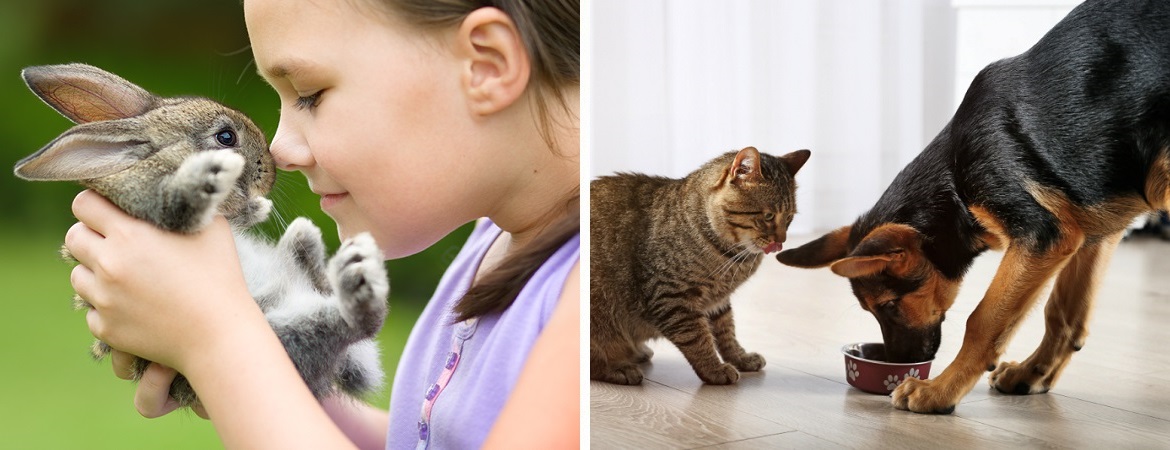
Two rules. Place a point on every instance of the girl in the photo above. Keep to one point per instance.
(409, 118)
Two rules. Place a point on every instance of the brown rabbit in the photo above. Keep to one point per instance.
(176, 162)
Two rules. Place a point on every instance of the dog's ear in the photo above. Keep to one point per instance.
(892, 246)
(820, 252)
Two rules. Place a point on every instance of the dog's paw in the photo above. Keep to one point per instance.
(1019, 378)
(925, 397)
(359, 279)
(749, 362)
(722, 374)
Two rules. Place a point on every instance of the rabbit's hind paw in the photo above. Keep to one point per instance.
(359, 280)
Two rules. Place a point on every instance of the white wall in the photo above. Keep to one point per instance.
(864, 84)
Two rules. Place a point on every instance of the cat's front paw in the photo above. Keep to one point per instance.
(749, 362)
(721, 374)
(629, 375)
(359, 279)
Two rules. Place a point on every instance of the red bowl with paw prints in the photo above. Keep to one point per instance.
(866, 368)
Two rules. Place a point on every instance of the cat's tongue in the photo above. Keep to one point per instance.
(773, 247)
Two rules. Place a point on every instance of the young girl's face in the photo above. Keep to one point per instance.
(373, 114)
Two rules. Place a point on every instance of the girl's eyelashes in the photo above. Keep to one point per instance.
(309, 101)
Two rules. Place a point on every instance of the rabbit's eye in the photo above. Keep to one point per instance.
(226, 138)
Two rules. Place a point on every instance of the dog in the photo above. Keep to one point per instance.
(1049, 157)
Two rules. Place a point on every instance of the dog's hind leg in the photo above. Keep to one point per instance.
(1066, 319)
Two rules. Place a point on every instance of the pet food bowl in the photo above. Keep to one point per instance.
(866, 368)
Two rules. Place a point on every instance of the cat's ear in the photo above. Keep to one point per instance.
(795, 160)
(746, 166)
(819, 253)
(894, 247)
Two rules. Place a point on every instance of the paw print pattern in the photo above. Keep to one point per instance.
(891, 382)
(851, 369)
(913, 373)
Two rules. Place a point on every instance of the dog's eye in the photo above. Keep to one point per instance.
(226, 138)
(891, 307)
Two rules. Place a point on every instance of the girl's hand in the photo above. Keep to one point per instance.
(160, 295)
(152, 395)
(181, 301)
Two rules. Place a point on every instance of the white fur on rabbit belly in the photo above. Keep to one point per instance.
(285, 295)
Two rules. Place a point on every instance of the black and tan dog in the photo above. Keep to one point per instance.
(1048, 158)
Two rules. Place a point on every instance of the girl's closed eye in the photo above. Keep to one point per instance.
(309, 101)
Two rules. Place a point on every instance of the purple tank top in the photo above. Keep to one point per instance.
(453, 379)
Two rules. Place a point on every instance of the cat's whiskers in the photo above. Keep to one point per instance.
(725, 265)
(734, 261)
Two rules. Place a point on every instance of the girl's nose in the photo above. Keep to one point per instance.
(289, 149)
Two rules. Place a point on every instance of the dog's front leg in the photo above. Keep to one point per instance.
(1018, 281)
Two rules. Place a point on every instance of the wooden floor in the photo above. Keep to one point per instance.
(1114, 394)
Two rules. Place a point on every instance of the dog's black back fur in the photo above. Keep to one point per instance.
(1082, 112)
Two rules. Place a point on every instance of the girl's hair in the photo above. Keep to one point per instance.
(551, 31)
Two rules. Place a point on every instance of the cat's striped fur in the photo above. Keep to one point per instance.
(666, 254)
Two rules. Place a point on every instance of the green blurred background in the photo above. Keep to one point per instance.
(52, 395)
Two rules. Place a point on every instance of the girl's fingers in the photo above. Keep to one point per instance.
(152, 398)
(80, 240)
(95, 211)
(123, 364)
(94, 321)
(83, 282)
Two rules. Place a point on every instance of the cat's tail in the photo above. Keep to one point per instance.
(361, 370)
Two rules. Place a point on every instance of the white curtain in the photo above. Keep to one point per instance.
(864, 84)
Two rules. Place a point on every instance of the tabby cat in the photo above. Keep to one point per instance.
(666, 255)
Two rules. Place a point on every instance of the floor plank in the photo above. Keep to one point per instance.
(1115, 392)
(791, 440)
(656, 416)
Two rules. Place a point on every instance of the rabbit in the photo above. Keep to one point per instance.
(176, 162)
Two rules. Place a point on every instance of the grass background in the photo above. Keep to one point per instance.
(52, 395)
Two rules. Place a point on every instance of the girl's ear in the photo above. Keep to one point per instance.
(495, 66)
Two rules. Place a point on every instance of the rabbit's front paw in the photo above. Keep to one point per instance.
(211, 174)
(198, 187)
(359, 279)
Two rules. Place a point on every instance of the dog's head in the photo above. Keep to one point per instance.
(892, 279)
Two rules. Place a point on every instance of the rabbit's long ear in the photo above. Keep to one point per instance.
(85, 93)
(87, 151)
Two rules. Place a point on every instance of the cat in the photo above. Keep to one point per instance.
(666, 254)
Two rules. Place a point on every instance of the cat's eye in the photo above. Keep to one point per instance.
(769, 216)
(226, 138)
